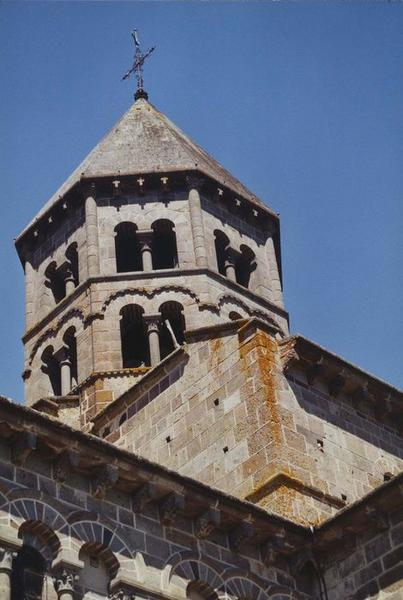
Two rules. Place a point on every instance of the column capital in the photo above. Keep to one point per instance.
(65, 580)
(231, 256)
(6, 559)
(153, 322)
(195, 182)
(62, 356)
(145, 238)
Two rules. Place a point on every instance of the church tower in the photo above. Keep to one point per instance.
(155, 320)
(148, 238)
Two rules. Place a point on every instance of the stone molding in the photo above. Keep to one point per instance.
(161, 274)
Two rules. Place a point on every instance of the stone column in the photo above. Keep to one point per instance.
(275, 282)
(65, 371)
(69, 282)
(64, 584)
(153, 333)
(6, 564)
(196, 220)
(229, 265)
(29, 294)
(91, 227)
(145, 239)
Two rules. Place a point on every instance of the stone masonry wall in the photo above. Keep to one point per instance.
(230, 419)
(370, 566)
(336, 448)
(134, 550)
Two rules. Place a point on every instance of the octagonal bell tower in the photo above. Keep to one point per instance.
(147, 239)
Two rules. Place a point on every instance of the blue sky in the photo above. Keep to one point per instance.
(302, 102)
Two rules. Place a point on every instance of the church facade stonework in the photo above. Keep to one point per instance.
(177, 441)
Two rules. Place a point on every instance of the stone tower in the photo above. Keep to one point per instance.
(148, 238)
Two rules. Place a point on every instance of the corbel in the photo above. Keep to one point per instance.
(314, 370)
(207, 522)
(164, 184)
(272, 549)
(116, 189)
(105, 479)
(66, 462)
(22, 447)
(361, 393)
(240, 535)
(276, 546)
(220, 194)
(336, 384)
(377, 518)
(299, 559)
(140, 185)
(171, 507)
(141, 497)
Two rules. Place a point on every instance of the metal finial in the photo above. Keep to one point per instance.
(139, 59)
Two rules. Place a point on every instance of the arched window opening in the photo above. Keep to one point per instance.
(198, 590)
(165, 255)
(70, 342)
(133, 334)
(234, 316)
(308, 579)
(221, 243)
(244, 266)
(172, 322)
(51, 367)
(72, 259)
(27, 575)
(100, 566)
(55, 282)
(128, 254)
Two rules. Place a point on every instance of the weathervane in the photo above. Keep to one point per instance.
(139, 59)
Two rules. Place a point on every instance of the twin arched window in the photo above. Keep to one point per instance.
(53, 362)
(236, 265)
(62, 279)
(135, 329)
(145, 250)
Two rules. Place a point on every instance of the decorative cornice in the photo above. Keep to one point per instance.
(341, 376)
(104, 185)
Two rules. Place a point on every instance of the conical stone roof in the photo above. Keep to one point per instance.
(144, 141)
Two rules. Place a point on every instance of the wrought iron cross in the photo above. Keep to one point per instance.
(137, 68)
